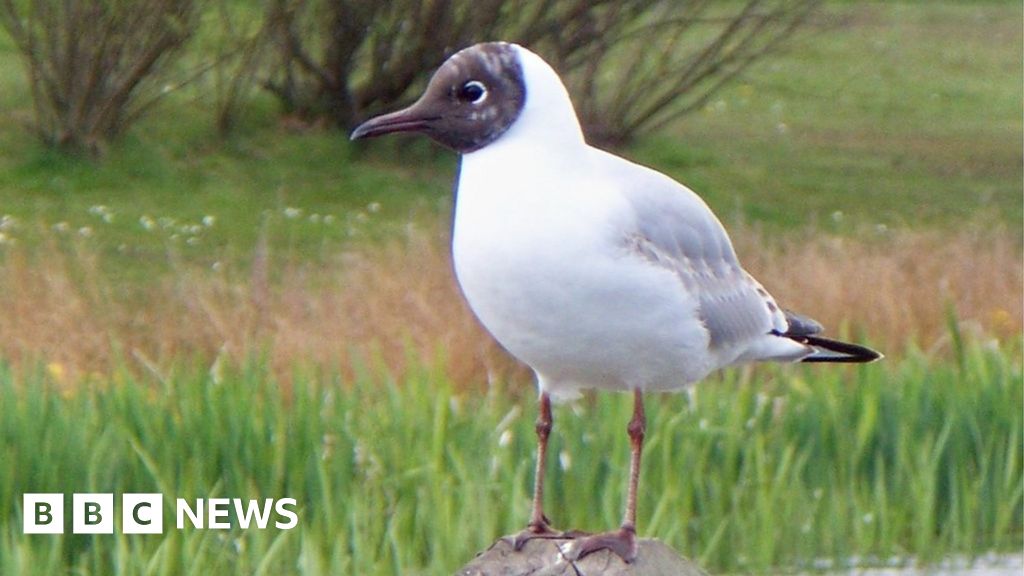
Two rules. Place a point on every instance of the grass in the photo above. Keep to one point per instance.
(893, 114)
(887, 113)
(759, 469)
(398, 300)
(193, 315)
(899, 160)
(147, 197)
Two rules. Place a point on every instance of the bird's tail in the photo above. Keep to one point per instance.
(828, 350)
(805, 331)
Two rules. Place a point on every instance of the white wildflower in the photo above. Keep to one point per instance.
(564, 460)
(505, 439)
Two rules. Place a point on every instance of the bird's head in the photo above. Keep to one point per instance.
(471, 100)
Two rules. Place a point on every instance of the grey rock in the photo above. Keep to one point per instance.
(548, 558)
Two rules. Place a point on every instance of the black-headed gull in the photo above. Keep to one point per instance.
(593, 270)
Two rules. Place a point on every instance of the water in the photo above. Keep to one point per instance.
(985, 565)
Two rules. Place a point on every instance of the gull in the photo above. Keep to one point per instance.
(596, 272)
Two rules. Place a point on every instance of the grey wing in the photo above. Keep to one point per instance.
(675, 229)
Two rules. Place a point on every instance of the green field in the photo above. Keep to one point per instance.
(894, 114)
(882, 121)
(760, 470)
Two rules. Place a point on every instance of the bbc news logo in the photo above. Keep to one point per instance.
(144, 513)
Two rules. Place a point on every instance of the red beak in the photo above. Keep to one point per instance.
(411, 119)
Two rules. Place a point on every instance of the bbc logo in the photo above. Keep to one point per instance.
(144, 513)
(93, 513)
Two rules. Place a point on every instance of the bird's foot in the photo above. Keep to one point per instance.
(540, 531)
(621, 542)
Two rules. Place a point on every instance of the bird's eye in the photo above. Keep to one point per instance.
(473, 92)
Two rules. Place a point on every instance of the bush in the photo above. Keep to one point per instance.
(632, 65)
(95, 65)
(672, 58)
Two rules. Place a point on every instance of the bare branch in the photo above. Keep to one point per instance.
(630, 64)
(90, 62)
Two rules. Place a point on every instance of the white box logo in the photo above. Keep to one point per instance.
(43, 513)
(142, 513)
(92, 514)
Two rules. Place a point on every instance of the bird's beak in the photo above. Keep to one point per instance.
(415, 118)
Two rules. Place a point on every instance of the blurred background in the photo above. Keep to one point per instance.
(182, 215)
(177, 177)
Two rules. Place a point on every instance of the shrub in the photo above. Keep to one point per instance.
(632, 65)
(95, 65)
(346, 59)
(672, 58)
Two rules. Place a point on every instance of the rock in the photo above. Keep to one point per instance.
(545, 558)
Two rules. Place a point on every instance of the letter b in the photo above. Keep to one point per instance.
(43, 513)
(92, 514)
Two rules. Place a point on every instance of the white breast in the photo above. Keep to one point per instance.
(539, 255)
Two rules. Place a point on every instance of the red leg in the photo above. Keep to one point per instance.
(538, 527)
(538, 522)
(637, 429)
(623, 541)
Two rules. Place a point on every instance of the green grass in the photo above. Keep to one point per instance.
(902, 114)
(760, 469)
(308, 193)
(892, 113)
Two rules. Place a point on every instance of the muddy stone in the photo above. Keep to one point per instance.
(547, 558)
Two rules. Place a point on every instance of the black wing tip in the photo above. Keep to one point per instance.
(846, 352)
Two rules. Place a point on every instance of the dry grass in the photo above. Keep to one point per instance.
(898, 288)
(398, 302)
